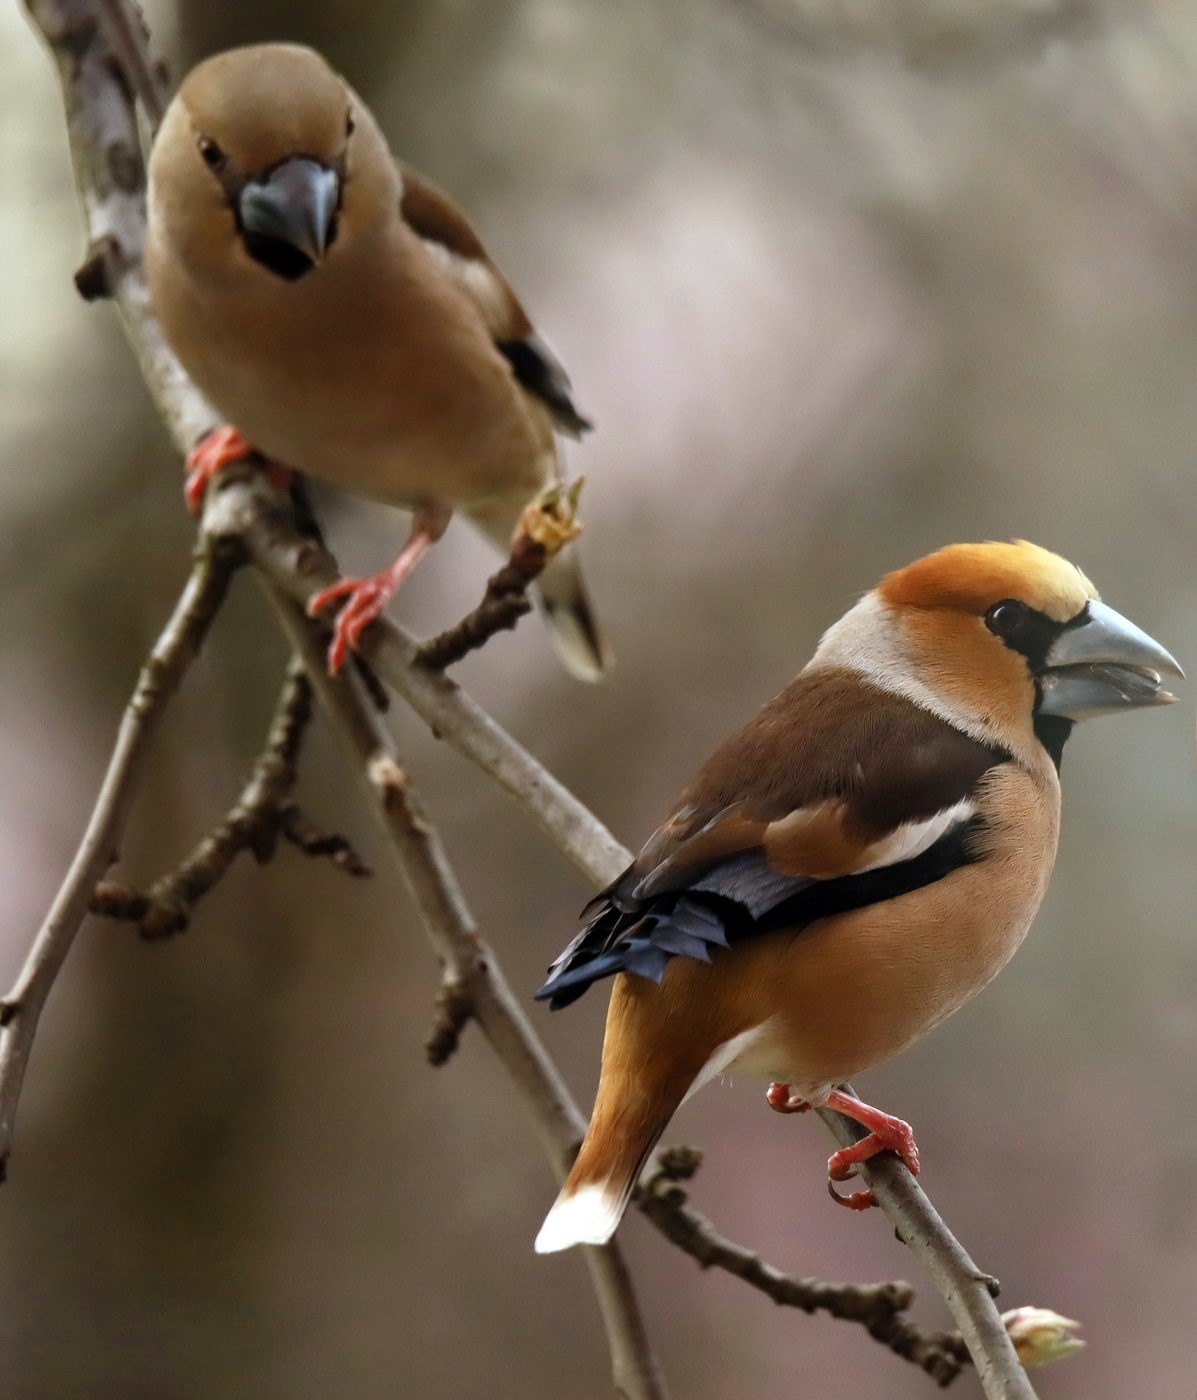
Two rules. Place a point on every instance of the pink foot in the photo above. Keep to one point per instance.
(216, 451)
(886, 1134)
(367, 597)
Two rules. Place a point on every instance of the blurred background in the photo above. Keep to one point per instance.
(840, 281)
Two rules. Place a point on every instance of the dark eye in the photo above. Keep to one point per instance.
(214, 157)
(1007, 618)
(349, 125)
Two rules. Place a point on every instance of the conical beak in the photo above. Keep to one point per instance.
(1103, 666)
(295, 204)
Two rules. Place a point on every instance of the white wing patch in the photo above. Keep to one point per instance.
(478, 281)
(911, 839)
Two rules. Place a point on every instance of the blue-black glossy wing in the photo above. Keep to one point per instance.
(732, 900)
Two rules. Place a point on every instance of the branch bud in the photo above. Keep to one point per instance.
(1041, 1336)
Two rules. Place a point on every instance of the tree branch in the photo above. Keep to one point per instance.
(173, 653)
(545, 527)
(878, 1307)
(264, 813)
(968, 1291)
(476, 986)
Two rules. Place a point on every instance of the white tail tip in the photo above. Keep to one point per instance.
(588, 1216)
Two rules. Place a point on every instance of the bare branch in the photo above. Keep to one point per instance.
(173, 653)
(968, 1291)
(244, 506)
(503, 604)
(878, 1307)
(262, 815)
(474, 985)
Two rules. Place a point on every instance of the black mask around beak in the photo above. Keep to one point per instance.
(288, 220)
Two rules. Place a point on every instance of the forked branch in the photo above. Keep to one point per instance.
(264, 814)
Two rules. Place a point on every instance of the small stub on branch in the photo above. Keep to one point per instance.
(1041, 1336)
(95, 278)
(454, 1011)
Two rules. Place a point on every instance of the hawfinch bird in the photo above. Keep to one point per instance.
(340, 312)
(854, 864)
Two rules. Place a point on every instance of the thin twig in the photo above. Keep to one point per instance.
(878, 1307)
(472, 971)
(503, 604)
(173, 653)
(243, 505)
(263, 814)
(546, 526)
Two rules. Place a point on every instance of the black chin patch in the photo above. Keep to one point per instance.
(283, 259)
(1052, 731)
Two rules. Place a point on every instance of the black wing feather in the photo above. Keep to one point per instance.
(542, 374)
(731, 901)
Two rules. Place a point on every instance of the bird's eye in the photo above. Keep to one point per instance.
(1007, 618)
(349, 124)
(214, 158)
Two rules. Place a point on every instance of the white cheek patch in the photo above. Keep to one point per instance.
(911, 839)
(868, 640)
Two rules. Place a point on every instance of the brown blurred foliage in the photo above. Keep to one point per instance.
(839, 282)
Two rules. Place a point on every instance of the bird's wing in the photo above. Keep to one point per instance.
(441, 223)
(837, 795)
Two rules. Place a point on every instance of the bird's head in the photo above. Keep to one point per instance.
(267, 153)
(1006, 638)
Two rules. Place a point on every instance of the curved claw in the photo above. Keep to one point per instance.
(857, 1200)
(780, 1100)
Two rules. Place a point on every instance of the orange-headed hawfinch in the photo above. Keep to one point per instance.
(854, 864)
(340, 312)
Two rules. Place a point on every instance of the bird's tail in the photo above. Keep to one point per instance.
(573, 627)
(596, 1193)
(641, 1085)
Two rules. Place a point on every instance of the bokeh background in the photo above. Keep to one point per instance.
(840, 281)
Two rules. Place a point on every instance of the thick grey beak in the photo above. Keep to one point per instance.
(1105, 665)
(295, 204)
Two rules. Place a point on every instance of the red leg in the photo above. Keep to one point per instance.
(886, 1134)
(217, 450)
(367, 597)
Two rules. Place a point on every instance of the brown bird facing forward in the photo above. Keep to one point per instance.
(341, 313)
(852, 866)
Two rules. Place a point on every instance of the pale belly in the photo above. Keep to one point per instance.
(853, 992)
